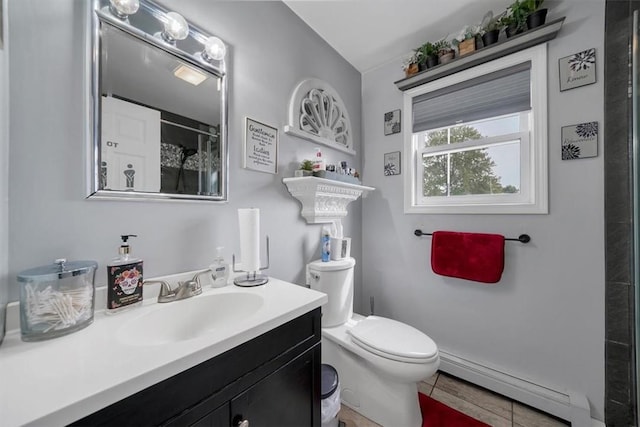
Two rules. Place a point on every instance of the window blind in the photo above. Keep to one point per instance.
(501, 92)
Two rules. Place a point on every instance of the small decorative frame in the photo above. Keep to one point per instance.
(392, 122)
(392, 163)
(580, 141)
(260, 147)
(578, 69)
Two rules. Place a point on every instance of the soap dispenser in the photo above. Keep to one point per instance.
(219, 270)
(124, 279)
(318, 163)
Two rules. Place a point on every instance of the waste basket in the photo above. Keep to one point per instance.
(330, 394)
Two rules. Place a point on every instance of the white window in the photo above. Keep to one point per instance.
(477, 139)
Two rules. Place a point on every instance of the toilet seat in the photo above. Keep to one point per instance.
(393, 340)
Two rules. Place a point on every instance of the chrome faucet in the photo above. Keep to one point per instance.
(187, 289)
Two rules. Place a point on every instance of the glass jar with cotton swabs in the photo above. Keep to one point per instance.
(56, 299)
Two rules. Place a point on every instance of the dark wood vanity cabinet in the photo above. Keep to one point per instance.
(272, 380)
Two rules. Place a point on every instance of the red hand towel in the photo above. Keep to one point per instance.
(472, 256)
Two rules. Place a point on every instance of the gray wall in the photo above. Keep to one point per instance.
(544, 321)
(271, 51)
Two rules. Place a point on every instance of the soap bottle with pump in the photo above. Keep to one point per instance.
(124, 279)
(219, 270)
(319, 163)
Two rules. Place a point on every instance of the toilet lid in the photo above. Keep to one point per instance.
(393, 340)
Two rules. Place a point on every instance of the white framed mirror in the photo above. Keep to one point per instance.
(159, 106)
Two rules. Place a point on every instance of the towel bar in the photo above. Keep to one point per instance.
(523, 238)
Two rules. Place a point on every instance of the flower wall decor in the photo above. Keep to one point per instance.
(578, 69)
(392, 122)
(580, 141)
(392, 163)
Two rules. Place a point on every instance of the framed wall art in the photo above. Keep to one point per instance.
(392, 163)
(392, 122)
(580, 141)
(578, 69)
(260, 147)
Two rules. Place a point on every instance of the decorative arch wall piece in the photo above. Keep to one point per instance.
(317, 114)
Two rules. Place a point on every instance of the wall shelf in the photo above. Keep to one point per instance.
(324, 200)
(512, 44)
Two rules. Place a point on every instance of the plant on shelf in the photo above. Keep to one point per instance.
(410, 64)
(445, 51)
(515, 18)
(491, 26)
(535, 15)
(306, 166)
(428, 55)
(465, 41)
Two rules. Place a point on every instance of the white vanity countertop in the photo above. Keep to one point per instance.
(61, 380)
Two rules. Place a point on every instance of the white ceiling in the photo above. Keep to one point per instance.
(369, 33)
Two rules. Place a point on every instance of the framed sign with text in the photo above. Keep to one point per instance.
(578, 69)
(580, 141)
(260, 147)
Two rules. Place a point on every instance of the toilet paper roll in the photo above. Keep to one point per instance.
(249, 220)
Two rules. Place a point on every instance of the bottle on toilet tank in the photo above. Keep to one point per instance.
(326, 244)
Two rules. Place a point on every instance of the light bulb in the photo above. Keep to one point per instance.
(123, 8)
(175, 27)
(214, 49)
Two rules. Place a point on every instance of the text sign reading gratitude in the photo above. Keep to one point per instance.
(260, 147)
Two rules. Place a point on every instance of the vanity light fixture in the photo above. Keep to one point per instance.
(214, 49)
(123, 8)
(189, 74)
(175, 27)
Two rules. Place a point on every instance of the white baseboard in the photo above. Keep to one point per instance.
(567, 405)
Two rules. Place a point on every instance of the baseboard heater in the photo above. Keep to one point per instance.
(567, 405)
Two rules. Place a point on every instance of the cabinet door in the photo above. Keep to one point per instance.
(288, 397)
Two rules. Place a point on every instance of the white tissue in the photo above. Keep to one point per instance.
(336, 229)
(249, 220)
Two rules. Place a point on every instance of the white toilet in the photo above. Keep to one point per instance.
(379, 361)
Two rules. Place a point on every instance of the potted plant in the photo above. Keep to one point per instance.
(410, 65)
(535, 15)
(428, 55)
(515, 18)
(445, 51)
(465, 41)
(491, 27)
(306, 167)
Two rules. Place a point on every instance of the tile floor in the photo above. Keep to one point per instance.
(481, 404)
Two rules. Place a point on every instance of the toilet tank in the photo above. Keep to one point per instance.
(334, 278)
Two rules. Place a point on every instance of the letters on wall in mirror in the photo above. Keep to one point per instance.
(260, 147)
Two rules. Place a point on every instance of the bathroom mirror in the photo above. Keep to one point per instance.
(159, 106)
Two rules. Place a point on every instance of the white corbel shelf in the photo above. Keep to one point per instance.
(512, 44)
(324, 200)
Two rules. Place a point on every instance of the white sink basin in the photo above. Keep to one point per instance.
(189, 318)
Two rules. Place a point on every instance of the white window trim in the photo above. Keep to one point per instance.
(536, 202)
